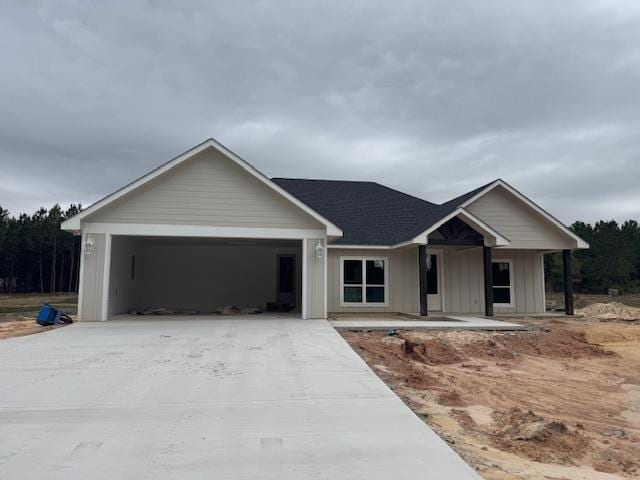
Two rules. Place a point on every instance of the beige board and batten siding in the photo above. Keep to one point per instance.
(208, 189)
(92, 270)
(402, 291)
(462, 286)
(315, 279)
(464, 281)
(518, 222)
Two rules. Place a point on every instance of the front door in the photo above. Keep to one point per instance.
(434, 287)
(286, 280)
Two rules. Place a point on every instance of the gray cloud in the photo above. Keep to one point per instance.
(432, 98)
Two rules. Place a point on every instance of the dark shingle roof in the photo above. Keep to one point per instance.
(369, 213)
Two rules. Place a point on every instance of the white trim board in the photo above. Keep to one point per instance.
(161, 230)
(305, 282)
(83, 238)
(75, 224)
(361, 247)
(106, 277)
(580, 243)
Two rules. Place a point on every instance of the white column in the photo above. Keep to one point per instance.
(105, 279)
(83, 238)
(305, 282)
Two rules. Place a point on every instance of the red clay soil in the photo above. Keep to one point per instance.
(561, 400)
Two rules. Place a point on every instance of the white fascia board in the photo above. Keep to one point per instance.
(580, 243)
(160, 230)
(467, 217)
(360, 247)
(74, 223)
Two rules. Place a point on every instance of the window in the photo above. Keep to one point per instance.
(502, 283)
(432, 275)
(364, 280)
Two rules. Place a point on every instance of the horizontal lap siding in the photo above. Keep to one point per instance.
(92, 279)
(518, 222)
(403, 289)
(315, 280)
(209, 189)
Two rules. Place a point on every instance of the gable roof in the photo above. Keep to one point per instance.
(374, 215)
(74, 223)
(354, 212)
(471, 197)
(368, 213)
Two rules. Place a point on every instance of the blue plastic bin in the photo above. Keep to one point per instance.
(49, 315)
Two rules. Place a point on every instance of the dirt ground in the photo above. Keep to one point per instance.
(18, 312)
(558, 401)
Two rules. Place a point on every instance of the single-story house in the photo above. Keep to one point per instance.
(207, 229)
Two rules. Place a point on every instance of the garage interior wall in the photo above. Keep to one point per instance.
(197, 274)
(125, 279)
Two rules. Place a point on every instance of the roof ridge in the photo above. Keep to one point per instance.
(322, 180)
(407, 195)
(468, 194)
(431, 204)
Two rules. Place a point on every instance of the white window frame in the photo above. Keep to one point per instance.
(511, 285)
(364, 259)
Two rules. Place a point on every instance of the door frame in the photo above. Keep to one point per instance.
(294, 293)
(439, 252)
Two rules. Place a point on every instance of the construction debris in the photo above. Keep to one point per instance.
(162, 311)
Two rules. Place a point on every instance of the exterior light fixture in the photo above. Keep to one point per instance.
(88, 245)
(319, 249)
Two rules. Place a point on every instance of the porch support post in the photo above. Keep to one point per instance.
(568, 283)
(422, 264)
(488, 280)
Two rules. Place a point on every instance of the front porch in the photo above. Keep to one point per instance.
(453, 269)
(415, 322)
(512, 280)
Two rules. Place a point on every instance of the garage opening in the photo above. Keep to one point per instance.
(204, 275)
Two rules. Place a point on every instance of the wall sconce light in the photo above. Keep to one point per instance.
(319, 249)
(88, 245)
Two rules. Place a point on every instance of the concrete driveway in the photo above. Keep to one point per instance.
(206, 399)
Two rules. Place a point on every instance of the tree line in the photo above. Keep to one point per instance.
(612, 261)
(36, 256)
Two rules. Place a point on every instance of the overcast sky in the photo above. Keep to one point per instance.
(430, 97)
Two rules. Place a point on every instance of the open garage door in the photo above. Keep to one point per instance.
(203, 275)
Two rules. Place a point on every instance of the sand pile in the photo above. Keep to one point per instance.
(610, 311)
